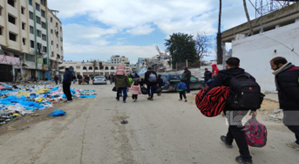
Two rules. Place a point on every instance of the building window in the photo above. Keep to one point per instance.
(24, 41)
(30, 2)
(43, 2)
(84, 68)
(11, 2)
(37, 6)
(38, 20)
(57, 45)
(23, 10)
(106, 68)
(31, 15)
(1, 28)
(112, 68)
(39, 33)
(31, 43)
(12, 36)
(52, 55)
(60, 29)
(44, 26)
(52, 43)
(61, 48)
(1, 8)
(11, 19)
(96, 68)
(90, 68)
(43, 13)
(23, 25)
(51, 19)
(44, 37)
(51, 31)
(31, 30)
(56, 25)
(44, 49)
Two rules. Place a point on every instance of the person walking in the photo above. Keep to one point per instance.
(234, 116)
(111, 79)
(208, 76)
(215, 70)
(160, 84)
(136, 90)
(74, 79)
(66, 85)
(59, 78)
(186, 78)
(121, 85)
(150, 79)
(56, 79)
(181, 88)
(286, 80)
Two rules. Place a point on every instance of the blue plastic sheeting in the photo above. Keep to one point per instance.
(57, 113)
(87, 96)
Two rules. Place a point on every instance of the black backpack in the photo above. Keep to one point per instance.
(245, 93)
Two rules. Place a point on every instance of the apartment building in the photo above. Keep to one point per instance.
(117, 59)
(24, 40)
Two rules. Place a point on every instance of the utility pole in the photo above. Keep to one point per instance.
(219, 36)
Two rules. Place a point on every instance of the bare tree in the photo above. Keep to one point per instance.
(247, 16)
(203, 44)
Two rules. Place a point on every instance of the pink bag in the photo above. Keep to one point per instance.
(255, 133)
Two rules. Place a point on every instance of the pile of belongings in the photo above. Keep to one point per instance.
(16, 101)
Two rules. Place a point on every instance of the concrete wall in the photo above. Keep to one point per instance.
(256, 51)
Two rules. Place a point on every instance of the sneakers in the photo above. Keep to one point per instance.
(186, 100)
(180, 99)
(124, 102)
(223, 139)
(293, 145)
(240, 160)
(68, 101)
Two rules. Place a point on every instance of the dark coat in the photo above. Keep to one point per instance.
(208, 75)
(187, 75)
(288, 88)
(146, 77)
(67, 77)
(224, 77)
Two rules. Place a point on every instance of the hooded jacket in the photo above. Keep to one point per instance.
(187, 75)
(224, 77)
(122, 81)
(215, 70)
(287, 84)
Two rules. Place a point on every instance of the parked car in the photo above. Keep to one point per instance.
(99, 80)
(170, 82)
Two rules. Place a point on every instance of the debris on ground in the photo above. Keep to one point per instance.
(16, 101)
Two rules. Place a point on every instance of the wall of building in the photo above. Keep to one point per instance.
(256, 51)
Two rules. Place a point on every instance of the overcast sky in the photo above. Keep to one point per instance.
(98, 29)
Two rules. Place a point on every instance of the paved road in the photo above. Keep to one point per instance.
(164, 131)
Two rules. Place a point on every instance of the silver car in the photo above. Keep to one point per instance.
(99, 80)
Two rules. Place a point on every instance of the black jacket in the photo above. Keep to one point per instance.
(288, 88)
(224, 77)
(67, 77)
(146, 76)
(208, 75)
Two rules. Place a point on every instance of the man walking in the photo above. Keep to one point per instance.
(121, 84)
(66, 84)
(286, 80)
(151, 82)
(208, 76)
(186, 78)
(234, 115)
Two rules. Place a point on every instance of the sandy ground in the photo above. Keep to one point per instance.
(164, 131)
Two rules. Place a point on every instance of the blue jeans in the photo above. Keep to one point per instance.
(151, 90)
(187, 82)
(124, 91)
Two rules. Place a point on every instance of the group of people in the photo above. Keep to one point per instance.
(286, 79)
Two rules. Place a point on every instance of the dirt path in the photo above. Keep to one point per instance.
(163, 131)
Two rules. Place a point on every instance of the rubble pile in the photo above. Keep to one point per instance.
(16, 101)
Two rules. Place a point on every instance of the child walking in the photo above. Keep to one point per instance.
(181, 88)
(135, 90)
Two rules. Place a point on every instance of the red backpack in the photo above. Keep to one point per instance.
(255, 133)
(213, 103)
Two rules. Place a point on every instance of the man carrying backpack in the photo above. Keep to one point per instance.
(286, 80)
(244, 96)
(151, 82)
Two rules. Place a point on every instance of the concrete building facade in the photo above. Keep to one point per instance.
(24, 39)
(278, 35)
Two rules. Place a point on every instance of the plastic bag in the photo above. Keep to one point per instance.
(57, 113)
